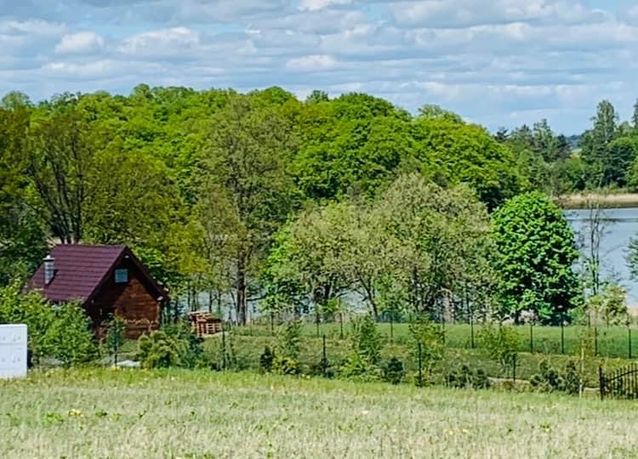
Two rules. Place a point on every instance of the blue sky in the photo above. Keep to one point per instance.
(496, 62)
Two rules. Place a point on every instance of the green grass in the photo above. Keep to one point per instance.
(247, 350)
(612, 341)
(122, 414)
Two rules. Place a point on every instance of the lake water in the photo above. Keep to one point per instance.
(620, 226)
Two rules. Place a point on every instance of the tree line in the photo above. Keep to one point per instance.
(298, 204)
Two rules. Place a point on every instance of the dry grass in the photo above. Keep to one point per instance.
(117, 414)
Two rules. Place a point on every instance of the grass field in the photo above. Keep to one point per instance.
(134, 413)
(247, 350)
(611, 341)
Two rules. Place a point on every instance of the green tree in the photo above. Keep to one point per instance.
(534, 258)
(452, 152)
(438, 240)
(251, 146)
(596, 150)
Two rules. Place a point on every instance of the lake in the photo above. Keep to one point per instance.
(620, 226)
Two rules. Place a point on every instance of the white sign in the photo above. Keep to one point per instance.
(13, 351)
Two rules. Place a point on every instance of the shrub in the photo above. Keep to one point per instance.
(172, 346)
(367, 343)
(286, 365)
(30, 309)
(547, 379)
(572, 379)
(431, 338)
(69, 337)
(465, 378)
(115, 337)
(394, 371)
(266, 360)
(62, 331)
(501, 344)
(158, 350)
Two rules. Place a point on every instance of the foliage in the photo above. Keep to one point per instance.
(610, 304)
(535, 253)
(158, 350)
(366, 346)
(69, 336)
(266, 360)
(115, 336)
(288, 348)
(172, 346)
(394, 371)
(431, 338)
(501, 344)
(465, 378)
(251, 144)
(572, 379)
(61, 332)
(548, 379)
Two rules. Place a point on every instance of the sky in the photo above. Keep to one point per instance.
(500, 63)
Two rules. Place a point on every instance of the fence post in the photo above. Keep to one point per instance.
(514, 367)
(391, 326)
(562, 335)
(341, 325)
(223, 346)
(471, 330)
(531, 337)
(324, 360)
(420, 380)
(629, 336)
(601, 382)
(272, 324)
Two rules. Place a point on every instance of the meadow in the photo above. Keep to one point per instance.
(203, 414)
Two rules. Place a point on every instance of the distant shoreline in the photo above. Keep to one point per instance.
(609, 200)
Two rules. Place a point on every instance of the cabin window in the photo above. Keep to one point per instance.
(121, 276)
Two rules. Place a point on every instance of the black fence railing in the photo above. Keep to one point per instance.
(621, 383)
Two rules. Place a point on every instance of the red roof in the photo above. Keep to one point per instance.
(80, 270)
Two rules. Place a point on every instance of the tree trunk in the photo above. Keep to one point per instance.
(241, 289)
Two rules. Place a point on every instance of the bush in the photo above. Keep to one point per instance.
(286, 365)
(394, 371)
(547, 379)
(501, 344)
(158, 350)
(431, 338)
(62, 332)
(172, 346)
(69, 337)
(288, 348)
(465, 378)
(572, 379)
(266, 360)
(367, 343)
(115, 337)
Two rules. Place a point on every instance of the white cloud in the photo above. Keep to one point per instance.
(315, 62)
(314, 5)
(161, 43)
(79, 43)
(496, 62)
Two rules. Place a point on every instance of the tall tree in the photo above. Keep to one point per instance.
(60, 156)
(596, 145)
(251, 145)
(535, 254)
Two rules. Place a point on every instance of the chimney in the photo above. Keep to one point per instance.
(49, 269)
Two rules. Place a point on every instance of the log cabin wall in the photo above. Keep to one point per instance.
(131, 300)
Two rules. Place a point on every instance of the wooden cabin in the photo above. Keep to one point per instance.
(107, 281)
